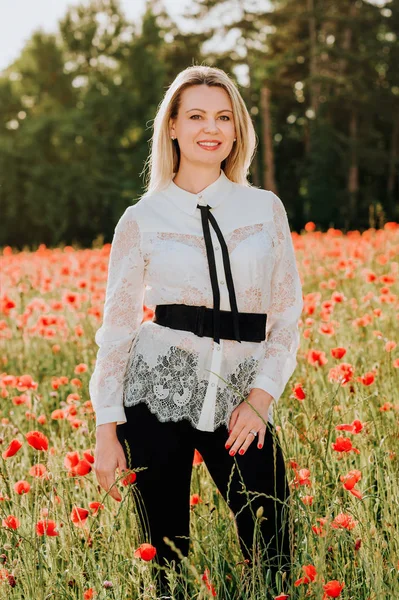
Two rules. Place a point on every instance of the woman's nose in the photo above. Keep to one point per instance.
(211, 127)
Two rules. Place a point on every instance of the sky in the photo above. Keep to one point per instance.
(19, 18)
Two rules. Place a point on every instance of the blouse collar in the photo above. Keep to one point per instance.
(213, 194)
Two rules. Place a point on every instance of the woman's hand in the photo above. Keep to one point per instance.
(108, 456)
(244, 418)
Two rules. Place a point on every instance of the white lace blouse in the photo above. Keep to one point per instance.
(158, 256)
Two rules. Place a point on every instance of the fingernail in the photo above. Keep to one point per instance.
(230, 430)
(232, 452)
(241, 451)
(260, 446)
(227, 446)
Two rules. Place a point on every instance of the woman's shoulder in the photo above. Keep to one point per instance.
(259, 200)
(257, 193)
(145, 211)
(141, 205)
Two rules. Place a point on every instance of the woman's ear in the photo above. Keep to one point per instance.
(171, 128)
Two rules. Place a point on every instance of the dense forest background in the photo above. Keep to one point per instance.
(321, 81)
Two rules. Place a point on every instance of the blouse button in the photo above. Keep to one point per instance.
(212, 384)
(217, 248)
(221, 282)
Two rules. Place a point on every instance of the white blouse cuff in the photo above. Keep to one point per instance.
(110, 414)
(268, 385)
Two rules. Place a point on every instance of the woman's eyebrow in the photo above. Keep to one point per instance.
(201, 110)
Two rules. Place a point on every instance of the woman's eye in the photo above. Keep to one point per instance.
(225, 116)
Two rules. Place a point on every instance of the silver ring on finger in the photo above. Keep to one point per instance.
(254, 433)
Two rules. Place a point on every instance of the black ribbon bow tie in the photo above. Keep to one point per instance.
(206, 216)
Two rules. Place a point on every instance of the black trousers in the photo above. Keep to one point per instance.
(167, 449)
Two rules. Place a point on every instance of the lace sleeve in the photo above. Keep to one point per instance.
(286, 304)
(123, 314)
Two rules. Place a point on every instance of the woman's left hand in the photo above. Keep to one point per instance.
(244, 418)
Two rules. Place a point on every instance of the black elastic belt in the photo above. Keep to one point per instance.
(200, 320)
(213, 322)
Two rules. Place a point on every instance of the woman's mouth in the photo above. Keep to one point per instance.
(209, 145)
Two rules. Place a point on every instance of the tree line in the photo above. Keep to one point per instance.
(319, 77)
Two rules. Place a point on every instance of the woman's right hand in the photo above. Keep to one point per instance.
(108, 456)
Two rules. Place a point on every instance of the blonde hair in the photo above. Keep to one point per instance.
(163, 160)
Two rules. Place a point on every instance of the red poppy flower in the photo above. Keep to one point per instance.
(205, 578)
(310, 226)
(355, 427)
(71, 459)
(38, 470)
(343, 373)
(318, 530)
(307, 500)
(298, 392)
(129, 479)
(327, 329)
(344, 444)
(22, 487)
(317, 358)
(37, 440)
(357, 493)
(389, 346)
(367, 379)
(12, 449)
(370, 277)
(338, 352)
(79, 516)
(88, 456)
(333, 588)
(46, 527)
(19, 400)
(11, 522)
(351, 478)
(58, 414)
(343, 521)
(310, 575)
(303, 477)
(95, 507)
(197, 460)
(25, 382)
(4, 574)
(83, 467)
(337, 297)
(145, 551)
(391, 226)
(195, 499)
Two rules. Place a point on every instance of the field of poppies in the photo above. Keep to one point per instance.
(63, 537)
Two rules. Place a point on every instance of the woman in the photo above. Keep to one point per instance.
(214, 258)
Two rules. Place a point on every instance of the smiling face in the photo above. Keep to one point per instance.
(205, 115)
